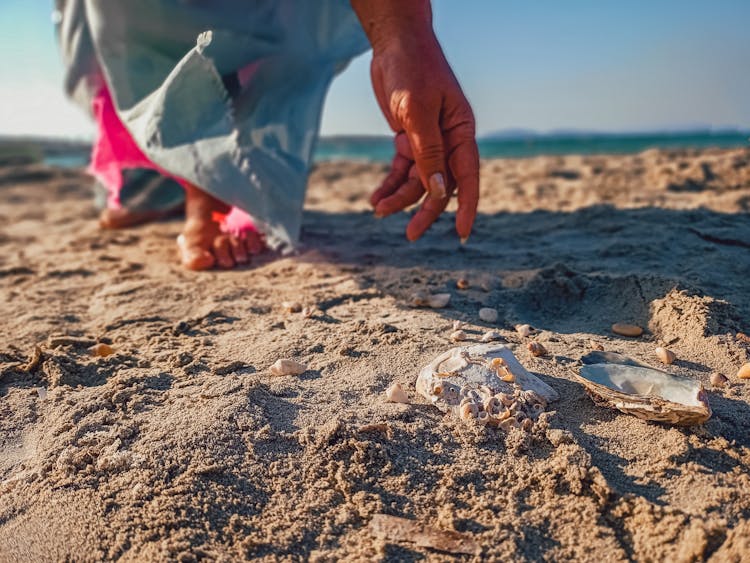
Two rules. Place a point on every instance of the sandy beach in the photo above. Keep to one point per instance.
(181, 446)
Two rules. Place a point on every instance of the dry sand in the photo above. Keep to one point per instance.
(182, 446)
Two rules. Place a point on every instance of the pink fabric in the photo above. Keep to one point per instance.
(115, 150)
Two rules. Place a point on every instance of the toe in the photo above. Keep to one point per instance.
(194, 257)
(239, 251)
(254, 243)
(222, 252)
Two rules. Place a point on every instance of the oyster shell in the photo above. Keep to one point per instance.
(615, 381)
(484, 383)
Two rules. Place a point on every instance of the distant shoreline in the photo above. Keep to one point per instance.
(370, 148)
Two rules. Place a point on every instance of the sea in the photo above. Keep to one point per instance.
(380, 149)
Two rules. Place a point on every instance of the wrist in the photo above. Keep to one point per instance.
(395, 24)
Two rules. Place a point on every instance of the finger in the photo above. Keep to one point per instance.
(222, 252)
(397, 176)
(239, 251)
(464, 165)
(422, 127)
(403, 147)
(408, 194)
(426, 216)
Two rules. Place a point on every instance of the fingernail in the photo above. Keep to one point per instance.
(464, 239)
(437, 186)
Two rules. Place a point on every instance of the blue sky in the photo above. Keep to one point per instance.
(540, 64)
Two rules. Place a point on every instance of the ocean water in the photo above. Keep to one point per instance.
(380, 149)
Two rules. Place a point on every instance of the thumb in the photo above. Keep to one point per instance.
(426, 140)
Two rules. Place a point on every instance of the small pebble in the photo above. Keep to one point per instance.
(744, 372)
(395, 394)
(627, 330)
(308, 312)
(288, 367)
(462, 283)
(665, 356)
(102, 350)
(524, 330)
(291, 306)
(596, 346)
(491, 336)
(536, 349)
(458, 335)
(718, 380)
(488, 314)
(458, 325)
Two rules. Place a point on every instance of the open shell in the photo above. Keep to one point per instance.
(618, 382)
(483, 378)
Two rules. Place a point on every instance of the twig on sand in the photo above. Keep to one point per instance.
(393, 528)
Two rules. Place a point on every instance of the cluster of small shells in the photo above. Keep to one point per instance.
(480, 405)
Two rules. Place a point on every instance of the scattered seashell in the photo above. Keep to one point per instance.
(102, 350)
(291, 306)
(536, 349)
(483, 418)
(527, 424)
(458, 336)
(488, 314)
(665, 356)
(524, 330)
(396, 394)
(436, 301)
(647, 393)
(308, 312)
(41, 392)
(742, 337)
(288, 367)
(438, 389)
(458, 325)
(505, 399)
(537, 409)
(627, 330)
(462, 283)
(596, 346)
(491, 336)
(492, 405)
(508, 424)
(718, 380)
(744, 371)
(467, 411)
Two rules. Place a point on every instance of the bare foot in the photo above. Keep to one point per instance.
(123, 218)
(202, 245)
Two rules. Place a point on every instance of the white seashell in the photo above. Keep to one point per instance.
(491, 336)
(488, 314)
(458, 325)
(458, 336)
(468, 411)
(474, 370)
(308, 312)
(483, 418)
(396, 394)
(288, 367)
(524, 330)
(527, 424)
(647, 393)
(434, 301)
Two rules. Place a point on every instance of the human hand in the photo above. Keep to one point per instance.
(436, 150)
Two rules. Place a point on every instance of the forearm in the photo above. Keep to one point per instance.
(388, 21)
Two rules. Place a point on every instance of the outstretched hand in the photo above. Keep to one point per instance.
(436, 150)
